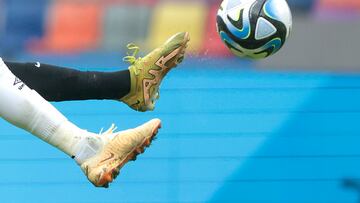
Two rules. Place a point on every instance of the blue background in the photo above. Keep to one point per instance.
(280, 130)
(229, 135)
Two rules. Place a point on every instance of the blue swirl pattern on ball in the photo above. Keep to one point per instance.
(243, 33)
(271, 9)
(234, 47)
(274, 44)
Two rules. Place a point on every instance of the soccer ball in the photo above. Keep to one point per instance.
(254, 28)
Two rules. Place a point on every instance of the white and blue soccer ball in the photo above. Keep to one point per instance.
(254, 28)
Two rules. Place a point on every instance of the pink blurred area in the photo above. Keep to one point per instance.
(337, 10)
(336, 5)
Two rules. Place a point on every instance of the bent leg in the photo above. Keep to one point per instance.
(26, 109)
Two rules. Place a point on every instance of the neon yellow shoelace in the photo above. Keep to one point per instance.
(131, 57)
(132, 53)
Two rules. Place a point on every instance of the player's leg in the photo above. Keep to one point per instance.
(100, 156)
(56, 83)
(137, 87)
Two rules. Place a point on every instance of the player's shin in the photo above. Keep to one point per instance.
(26, 109)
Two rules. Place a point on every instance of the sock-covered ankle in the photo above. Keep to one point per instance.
(77, 143)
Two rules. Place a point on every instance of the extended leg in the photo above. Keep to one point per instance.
(137, 87)
(99, 156)
(56, 83)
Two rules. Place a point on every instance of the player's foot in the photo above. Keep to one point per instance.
(147, 73)
(118, 149)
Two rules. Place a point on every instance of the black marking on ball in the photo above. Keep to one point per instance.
(238, 23)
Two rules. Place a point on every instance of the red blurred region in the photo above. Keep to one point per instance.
(70, 27)
(132, 2)
(212, 45)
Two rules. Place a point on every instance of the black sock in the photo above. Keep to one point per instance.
(63, 84)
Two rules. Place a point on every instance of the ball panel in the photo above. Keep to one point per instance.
(264, 29)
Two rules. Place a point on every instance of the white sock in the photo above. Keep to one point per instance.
(26, 109)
